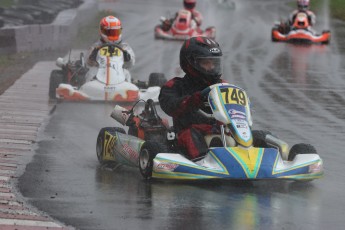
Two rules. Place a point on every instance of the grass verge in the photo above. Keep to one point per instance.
(6, 3)
(337, 7)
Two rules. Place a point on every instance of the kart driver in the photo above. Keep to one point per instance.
(110, 31)
(190, 6)
(302, 6)
(181, 98)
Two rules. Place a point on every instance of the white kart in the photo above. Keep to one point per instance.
(107, 82)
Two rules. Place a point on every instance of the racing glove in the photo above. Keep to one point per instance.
(205, 92)
(126, 56)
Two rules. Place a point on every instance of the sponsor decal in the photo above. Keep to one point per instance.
(315, 168)
(110, 142)
(109, 89)
(215, 50)
(234, 111)
(166, 166)
(129, 152)
(238, 116)
(241, 126)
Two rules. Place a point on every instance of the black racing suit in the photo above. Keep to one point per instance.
(181, 98)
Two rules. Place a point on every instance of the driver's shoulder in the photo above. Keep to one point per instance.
(173, 82)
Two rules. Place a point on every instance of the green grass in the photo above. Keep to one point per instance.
(6, 3)
(337, 7)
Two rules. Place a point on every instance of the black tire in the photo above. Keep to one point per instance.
(100, 140)
(147, 153)
(301, 149)
(56, 78)
(157, 79)
(259, 138)
(325, 42)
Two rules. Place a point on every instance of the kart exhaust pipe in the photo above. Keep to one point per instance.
(120, 114)
(280, 144)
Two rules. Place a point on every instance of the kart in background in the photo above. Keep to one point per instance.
(182, 28)
(107, 82)
(299, 32)
(236, 153)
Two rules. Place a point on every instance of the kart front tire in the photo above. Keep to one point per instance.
(259, 138)
(148, 152)
(157, 79)
(56, 78)
(100, 140)
(301, 149)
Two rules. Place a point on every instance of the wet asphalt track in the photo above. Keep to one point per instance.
(297, 92)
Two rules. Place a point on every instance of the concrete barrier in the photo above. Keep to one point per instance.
(57, 35)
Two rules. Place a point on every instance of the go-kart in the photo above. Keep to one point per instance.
(299, 32)
(236, 153)
(107, 82)
(181, 28)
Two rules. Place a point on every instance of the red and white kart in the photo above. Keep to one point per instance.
(299, 32)
(182, 28)
(107, 82)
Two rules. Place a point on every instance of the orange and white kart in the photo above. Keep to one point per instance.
(107, 82)
(182, 28)
(299, 32)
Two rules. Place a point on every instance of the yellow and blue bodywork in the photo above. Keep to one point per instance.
(238, 163)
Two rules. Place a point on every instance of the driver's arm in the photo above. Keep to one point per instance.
(130, 60)
(91, 61)
(311, 18)
(174, 103)
(197, 17)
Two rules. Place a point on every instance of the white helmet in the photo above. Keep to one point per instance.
(303, 4)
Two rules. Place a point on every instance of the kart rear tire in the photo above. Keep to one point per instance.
(301, 149)
(157, 79)
(259, 138)
(56, 78)
(325, 42)
(147, 153)
(100, 140)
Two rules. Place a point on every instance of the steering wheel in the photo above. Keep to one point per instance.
(107, 44)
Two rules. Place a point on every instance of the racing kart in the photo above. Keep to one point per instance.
(181, 28)
(107, 82)
(236, 153)
(299, 32)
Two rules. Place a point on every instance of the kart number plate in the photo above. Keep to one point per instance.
(234, 96)
(105, 51)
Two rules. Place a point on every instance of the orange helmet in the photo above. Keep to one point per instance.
(110, 29)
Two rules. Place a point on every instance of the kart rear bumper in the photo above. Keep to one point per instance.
(301, 36)
(174, 35)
